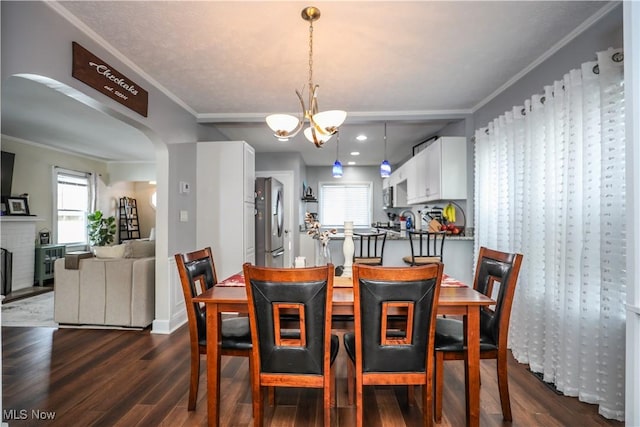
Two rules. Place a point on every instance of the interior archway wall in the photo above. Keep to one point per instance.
(161, 168)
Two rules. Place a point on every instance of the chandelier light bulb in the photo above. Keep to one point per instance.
(319, 136)
(282, 124)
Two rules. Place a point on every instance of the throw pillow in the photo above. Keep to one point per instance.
(116, 251)
(140, 248)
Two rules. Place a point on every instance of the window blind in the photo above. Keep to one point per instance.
(345, 202)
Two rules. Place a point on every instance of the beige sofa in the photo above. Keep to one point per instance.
(108, 291)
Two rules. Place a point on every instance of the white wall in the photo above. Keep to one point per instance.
(33, 174)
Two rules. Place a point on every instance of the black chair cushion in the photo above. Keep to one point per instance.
(236, 334)
(350, 345)
(335, 345)
(450, 336)
(236, 327)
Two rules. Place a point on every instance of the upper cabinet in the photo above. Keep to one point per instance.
(398, 180)
(439, 172)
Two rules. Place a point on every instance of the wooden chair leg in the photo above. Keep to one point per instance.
(351, 380)
(427, 401)
(503, 385)
(258, 407)
(194, 380)
(411, 395)
(333, 386)
(439, 376)
(359, 401)
(271, 395)
(327, 401)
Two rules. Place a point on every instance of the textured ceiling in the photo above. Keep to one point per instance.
(416, 65)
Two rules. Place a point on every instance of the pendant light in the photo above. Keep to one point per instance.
(385, 167)
(337, 166)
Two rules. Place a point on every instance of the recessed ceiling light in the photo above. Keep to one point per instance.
(355, 153)
(351, 163)
(361, 137)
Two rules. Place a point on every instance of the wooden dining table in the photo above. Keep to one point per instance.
(231, 296)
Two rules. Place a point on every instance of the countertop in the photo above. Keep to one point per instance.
(397, 235)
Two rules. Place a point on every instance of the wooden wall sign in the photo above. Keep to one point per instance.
(96, 73)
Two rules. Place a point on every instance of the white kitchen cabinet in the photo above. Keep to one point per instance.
(398, 175)
(440, 171)
(398, 180)
(226, 204)
(415, 177)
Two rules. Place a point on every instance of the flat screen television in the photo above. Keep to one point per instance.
(6, 167)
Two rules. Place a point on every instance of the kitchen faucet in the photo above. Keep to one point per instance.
(407, 212)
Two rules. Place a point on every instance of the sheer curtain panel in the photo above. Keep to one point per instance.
(554, 170)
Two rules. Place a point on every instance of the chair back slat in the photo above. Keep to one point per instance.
(426, 246)
(370, 249)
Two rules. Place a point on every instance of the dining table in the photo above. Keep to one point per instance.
(456, 298)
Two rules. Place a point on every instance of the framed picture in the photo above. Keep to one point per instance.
(17, 206)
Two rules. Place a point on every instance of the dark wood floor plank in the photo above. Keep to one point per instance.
(135, 378)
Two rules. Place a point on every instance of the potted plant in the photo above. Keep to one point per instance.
(102, 229)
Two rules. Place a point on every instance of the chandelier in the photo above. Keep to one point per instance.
(322, 125)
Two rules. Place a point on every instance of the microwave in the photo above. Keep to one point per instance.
(387, 197)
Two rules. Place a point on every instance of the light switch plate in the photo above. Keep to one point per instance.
(184, 216)
(185, 187)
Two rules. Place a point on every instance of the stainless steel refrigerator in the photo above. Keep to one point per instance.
(269, 223)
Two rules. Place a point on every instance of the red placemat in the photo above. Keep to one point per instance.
(235, 280)
(450, 282)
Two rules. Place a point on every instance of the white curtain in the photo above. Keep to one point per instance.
(550, 184)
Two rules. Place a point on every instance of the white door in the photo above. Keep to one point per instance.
(286, 178)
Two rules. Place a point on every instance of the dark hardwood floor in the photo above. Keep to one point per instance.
(82, 377)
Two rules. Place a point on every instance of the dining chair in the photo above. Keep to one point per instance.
(370, 249)
(393, 355)
(279, 358)
(198, 273)
(496, 276)
(426, 247)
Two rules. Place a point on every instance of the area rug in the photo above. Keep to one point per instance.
(36, 311)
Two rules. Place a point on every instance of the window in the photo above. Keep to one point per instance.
(72, 203)
(345, 202)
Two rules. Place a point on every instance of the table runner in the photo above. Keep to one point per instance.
(238, 280)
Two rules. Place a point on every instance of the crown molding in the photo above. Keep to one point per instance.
(555, 48)
(62, 11)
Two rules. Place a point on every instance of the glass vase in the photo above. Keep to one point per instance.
(324, 254)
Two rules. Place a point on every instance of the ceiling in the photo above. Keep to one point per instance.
(417, 66)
